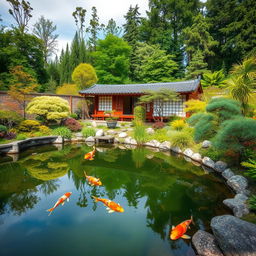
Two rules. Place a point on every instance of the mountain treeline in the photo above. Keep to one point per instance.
(178, 39)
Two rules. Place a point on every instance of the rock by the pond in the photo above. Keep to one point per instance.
(122, 135)
(197, 157)
(238, 205)
(112, 132)
(94, 124)
(206, 144)
(188, 152)
(166, 145)
(234, 236)
(153, 143)
(123, 130)
(100, 132)
(128, 140)
(79, 135)
(208, 162)
(238, 183)
(133, 142)
(220, 166)
(89, 139)
(205, 244)
(176, 150)
(116, 140)
(150, 130)
(227, 174)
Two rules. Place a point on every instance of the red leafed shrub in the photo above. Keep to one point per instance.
(158, 125)
(10, 135)
(73, 124)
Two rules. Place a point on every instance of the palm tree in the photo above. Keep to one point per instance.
(214, 79)
(243, 81)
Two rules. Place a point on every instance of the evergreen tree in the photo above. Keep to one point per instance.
(79, 16)
(64, 66)
(131, 34)
(164, 25)
(198, 38)
(93, 29)
(74, 54)
(197, 66)
(112, 28)
(82, 52)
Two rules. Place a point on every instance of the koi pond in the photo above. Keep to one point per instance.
(155, 189)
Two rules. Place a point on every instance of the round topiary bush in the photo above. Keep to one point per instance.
(73, 124)
(9, 118)
(29, 126)
(236, 135)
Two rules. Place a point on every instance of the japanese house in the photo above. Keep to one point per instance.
(123, 97)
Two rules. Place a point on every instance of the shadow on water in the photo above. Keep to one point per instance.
(157, 189)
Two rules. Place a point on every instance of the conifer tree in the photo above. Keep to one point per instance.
(64, 66)
(74, 54)
(112, 28)
(131, 34)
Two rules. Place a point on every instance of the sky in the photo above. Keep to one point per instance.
(60, 12)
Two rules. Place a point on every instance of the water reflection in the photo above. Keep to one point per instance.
(166, 189)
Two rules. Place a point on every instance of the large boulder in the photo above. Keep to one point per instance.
(100, 132)
(176, 150)
(153, 143)
(227, 174)
(220, 166)
(238, 205)
(205, 244)
(234, 236)
(207, 161)
(238, 183)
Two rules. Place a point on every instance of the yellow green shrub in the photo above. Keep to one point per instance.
(29, 126)
(178, 124)
(44, 130)
(195, 106)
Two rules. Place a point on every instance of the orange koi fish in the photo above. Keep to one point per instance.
(111, 206)
(90, 155)
(92, 180)
(61, 200)
(180, 230)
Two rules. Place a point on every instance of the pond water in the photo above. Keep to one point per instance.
(156, 190)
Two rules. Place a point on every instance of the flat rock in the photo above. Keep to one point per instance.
(176, 150)
(94, 124)
(196, 157)
(227, 174)
(238, 205)
(153, 143)
(206, 144)
(208, 162)
(133, 142)
(122, 135)
(89, 139)
(234, 236)
(188, 152)
(220, 166)
(112, 132)
(205, 244)
(99, 133)
(238, 183)
(116, 140)
(127, 140)
(166, 145)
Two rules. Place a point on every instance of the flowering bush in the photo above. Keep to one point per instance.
(158, 125)
(73, 124)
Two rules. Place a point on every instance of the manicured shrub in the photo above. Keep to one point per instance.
(224, 108)
(195, 106)
(195, 118)
(140, 134)
(88, 131)
(236, 135)
(73, 124)
(49, 108)
(181, 139)
(21, 136)
(160, 135)
(44, 130)
(140, 113)
(158, 125)
(3, 131)
(178, 124)
(74, 115)
(63, 131)
(9, 118)
(29, 126)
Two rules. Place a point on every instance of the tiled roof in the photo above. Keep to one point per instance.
(184, 86)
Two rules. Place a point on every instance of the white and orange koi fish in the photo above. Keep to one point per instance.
(111, 205)
(90, 155)
(61, 200)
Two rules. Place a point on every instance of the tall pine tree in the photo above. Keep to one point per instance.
(131, 34)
